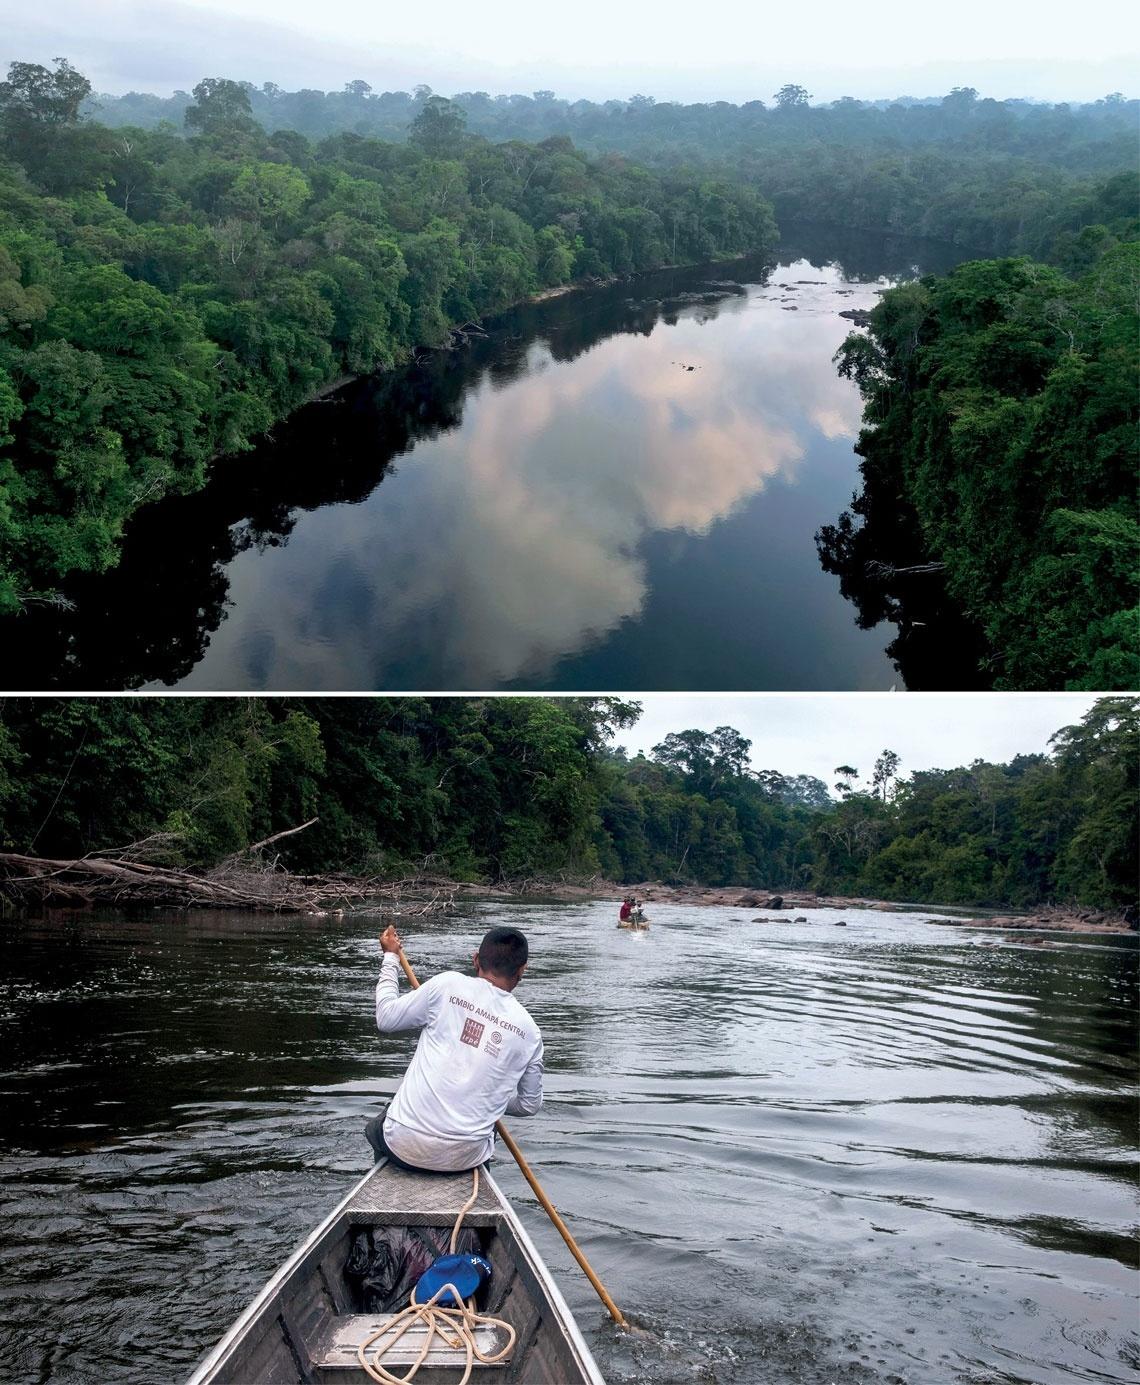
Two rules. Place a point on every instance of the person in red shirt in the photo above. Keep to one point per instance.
(626, 909)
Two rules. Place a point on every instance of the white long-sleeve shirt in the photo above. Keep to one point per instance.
(479, 1056)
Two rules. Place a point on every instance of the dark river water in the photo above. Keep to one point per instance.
(616, 489)
(895, 1152)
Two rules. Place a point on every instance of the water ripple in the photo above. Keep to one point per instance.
(877, 1155)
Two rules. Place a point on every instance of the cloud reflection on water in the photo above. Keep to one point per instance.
(512, 541)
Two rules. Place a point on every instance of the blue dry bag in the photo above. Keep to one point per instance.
(465, 1272)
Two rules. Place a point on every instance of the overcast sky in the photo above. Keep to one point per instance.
(809, 733)
(672, 49)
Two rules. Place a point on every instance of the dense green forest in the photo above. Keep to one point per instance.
(996, 176)
(176, 276)
(1000, 441)
(166, 296)
(514, 788)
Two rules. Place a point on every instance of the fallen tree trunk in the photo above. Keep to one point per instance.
(123, 876)
(91, 880)
(884, 571)
(249, 879)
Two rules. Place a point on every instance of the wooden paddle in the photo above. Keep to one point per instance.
(547, 1206)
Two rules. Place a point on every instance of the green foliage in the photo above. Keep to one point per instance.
(791, 95)
(267, 192)
(997, 177)
(525, 788)
(32, 94)
(1099, 765)
(221, 108)
(999, 404)
(39, 125)
(1034, 831)
(439, 127)
(167, 299)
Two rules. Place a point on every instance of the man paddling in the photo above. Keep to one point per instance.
(630, 914)
(479, 1057)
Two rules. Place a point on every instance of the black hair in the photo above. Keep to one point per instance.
(503, 951)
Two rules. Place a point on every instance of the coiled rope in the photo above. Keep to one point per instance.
(454, 1325)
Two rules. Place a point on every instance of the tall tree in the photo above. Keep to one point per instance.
(885, 772)
(439, 127)
(40, 128)
(791, 96)
(221, 107)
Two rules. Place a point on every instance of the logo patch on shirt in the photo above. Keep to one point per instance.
(472, 1032)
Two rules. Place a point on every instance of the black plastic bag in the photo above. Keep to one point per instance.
(385, 1262)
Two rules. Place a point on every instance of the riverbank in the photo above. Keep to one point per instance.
(456, 338)
(775, 908)
(461, 333)
(33, 884)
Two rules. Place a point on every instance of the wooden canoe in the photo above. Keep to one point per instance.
(304, 1326)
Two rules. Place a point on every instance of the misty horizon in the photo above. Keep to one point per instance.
(733, 55)
(916, 96)
(904, 97)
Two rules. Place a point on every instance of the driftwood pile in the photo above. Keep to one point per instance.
(249, 880)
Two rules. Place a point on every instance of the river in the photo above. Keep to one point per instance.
(891, 1154)
(616, 489)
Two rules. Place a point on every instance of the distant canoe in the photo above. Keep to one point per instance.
(306, 1324)
(642, 927)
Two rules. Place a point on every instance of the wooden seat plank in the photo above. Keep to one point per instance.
(338, 1347)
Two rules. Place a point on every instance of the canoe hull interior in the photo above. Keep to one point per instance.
(306, 1322)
